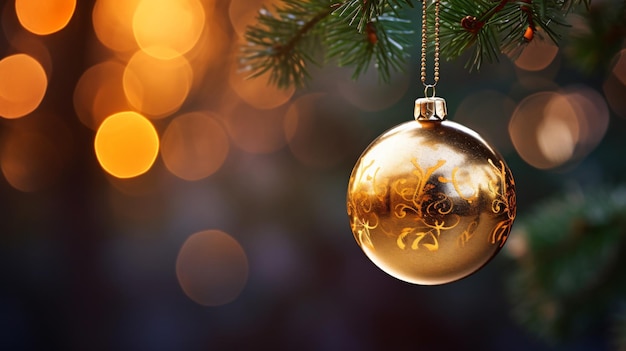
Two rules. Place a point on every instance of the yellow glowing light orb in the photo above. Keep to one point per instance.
(99, 94)
(23, 84)
(157, 87)
(174, 24)
(126, 144)
(430, 202)
(113, 23)
(44, 17)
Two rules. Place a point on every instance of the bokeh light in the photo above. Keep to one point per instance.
(258, 92)
(614, 91)
(157, 87)
(208, 55)
(23, 84)
(527, 126)
(33, 46)
(593, 116)
(44, 17)
(99, 93)
(173, 24)
(212, 268)
(550, 129)
(113, 24)
(619, 67)
(559, 131)
(35, 151)
(253, 130)
(126, 144)
(537, 55)
(194, 146)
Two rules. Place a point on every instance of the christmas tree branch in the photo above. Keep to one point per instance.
(567, 278)
(308, 26)
(359, 32)
(278, 42)
(351, 32)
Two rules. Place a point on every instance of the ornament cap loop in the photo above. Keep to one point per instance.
(430, 87)
(430, 109)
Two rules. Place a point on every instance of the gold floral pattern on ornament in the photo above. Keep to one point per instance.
(430, 210)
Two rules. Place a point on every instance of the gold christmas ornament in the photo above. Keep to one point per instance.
(429, 201)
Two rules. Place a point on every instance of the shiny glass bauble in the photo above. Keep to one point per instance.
(429, 201)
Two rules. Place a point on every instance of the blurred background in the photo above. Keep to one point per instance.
(152, 198)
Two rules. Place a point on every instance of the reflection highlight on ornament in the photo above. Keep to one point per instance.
(212, 268)
(23, 84)
(44, 17)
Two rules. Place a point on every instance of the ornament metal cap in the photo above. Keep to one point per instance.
(430, 109)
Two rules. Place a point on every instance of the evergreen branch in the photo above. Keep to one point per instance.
(361, 32)
(593, 47)
(505, 26)
(364, 11)
(385, 42)
(461, 30)
(280, 43)
(570, 276)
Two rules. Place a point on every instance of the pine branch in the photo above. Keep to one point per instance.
(594, 47)
(351, 32)
(358, 33)
(281, 41)
(504, 26)
(364, 11)
(384, 41)
(570, 277)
